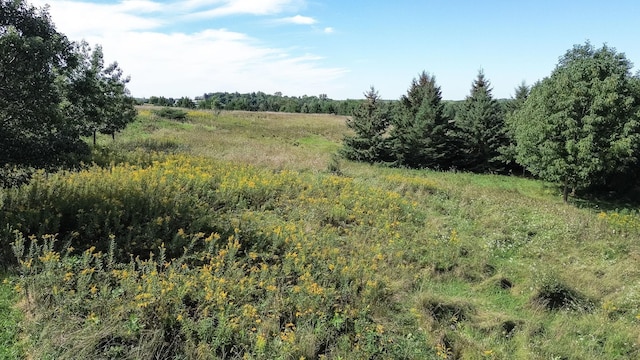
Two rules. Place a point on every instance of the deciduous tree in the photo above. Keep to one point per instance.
(32, 56)
(580, 124)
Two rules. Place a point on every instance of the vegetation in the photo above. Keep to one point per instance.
(419, 128)
(580, 125)
(259, 101)
(53, 91)
(370, 124)
(481, 130)
(241, 255)
(209, 234)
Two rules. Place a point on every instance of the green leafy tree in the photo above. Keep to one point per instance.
(96, 97)
(370, 123)
(120, 105)
(508, 152)
(186, 102)
(580, 125)
(419, 127)
(33, 55)
(480, 129)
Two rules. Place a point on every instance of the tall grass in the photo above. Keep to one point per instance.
(241, 252)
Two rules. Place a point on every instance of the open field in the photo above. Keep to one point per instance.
(260, 252)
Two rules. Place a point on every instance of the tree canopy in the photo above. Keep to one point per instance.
(52, 90)
(580, 124)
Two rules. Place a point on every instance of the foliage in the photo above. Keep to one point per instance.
(370, 124)
(259, 101)
(480, 129)
(170, 113)
(508, 153)
(420, 128)
(580, 125)
(53, 91)
(32, 55)
(10, 317)
(374, 263)
(96, 97)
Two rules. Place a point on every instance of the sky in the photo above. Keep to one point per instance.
(341, 47)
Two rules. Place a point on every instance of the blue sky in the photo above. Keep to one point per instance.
(341, 48)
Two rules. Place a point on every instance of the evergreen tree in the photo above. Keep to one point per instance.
(480, 129)
(370, 123)
(581, 125)
(419, 127)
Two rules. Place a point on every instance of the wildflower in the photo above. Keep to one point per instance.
(87, 271)
(93, 289)
(93, 318)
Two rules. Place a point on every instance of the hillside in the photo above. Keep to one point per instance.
(238, 235)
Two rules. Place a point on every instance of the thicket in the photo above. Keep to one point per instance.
(579, 127)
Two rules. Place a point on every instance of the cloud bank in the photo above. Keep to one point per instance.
(184, 63)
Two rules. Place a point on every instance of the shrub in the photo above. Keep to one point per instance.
(171, 113)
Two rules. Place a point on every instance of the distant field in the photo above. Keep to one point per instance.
(261, 252)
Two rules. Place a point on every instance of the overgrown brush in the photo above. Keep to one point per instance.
(185, 257)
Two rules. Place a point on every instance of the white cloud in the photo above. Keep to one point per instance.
(329, 30)
(233, 7)
(190, 64)
(82, 19)
(298, 20)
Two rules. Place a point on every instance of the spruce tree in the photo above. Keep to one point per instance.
(419, 127)
(480, 129)
(370, 123)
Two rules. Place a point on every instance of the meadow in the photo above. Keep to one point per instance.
(239, 235)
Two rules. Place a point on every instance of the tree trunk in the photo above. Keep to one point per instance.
(94, 138)
(565, 194)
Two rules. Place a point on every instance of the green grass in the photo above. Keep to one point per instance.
(10, 317)
(374, 263)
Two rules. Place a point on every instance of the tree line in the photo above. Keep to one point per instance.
(260, 101)
(53, 91)
(578, 127)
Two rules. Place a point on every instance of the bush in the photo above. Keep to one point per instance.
(171, 113)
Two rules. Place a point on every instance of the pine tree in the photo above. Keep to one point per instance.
(480, 129)
(419, 127)
(370, 123)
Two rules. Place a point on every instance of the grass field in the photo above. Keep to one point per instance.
(227, 236)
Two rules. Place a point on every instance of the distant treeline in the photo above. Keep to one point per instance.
(260, 101)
